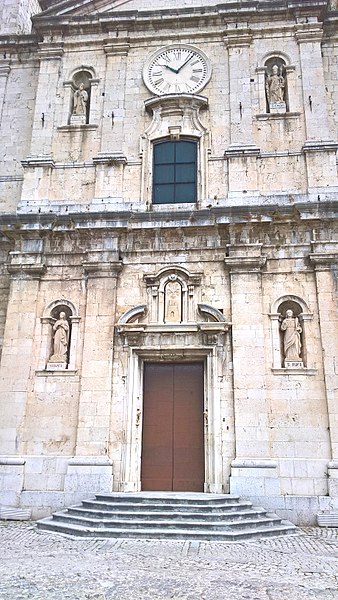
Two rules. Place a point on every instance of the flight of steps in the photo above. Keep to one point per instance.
(167, 515)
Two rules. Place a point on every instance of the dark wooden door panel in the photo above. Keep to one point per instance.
(157, 438)
(188, 462)
(172, 442)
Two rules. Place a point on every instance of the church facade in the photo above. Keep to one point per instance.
(168, 282)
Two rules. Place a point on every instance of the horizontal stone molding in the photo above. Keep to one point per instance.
(78, 127)
(320, 146)
(238, 150)
(296, 371)
(113, 48)
(100, 269)
(92, 461)
(38, 161)
(254, 463)
(50, 372)
(245, 263)
(110, 158)
(12, 461)
(276, 116)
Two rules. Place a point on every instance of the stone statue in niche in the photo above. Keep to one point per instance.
(173, 302)
(80, 100)
(292, 342)
(60, 340)
(275, 85)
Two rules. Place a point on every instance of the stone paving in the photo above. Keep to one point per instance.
(43, 566)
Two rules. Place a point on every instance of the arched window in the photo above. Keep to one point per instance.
(175, 172)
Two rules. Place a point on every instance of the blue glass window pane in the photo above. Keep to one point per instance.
(164, 153)
(185, 192)
(164, 174)
(175, 172)
(185, 152)
(185, 173)
(164, 194)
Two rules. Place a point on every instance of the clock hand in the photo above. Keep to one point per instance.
(181, 67)
(170, 68)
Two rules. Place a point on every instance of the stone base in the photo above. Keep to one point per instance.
(293, 364)
(254, 476)
(277, 107)
(56, 366)
(78, 120)
(42, 485)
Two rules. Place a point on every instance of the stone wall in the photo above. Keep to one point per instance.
(15, 16)
(81, 236)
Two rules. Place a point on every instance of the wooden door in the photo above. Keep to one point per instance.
(173, 431)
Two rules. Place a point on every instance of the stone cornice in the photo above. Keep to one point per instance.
(65, 217)
(99, 270)
(50, 21)
(247, 264)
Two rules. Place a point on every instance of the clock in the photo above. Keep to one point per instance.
(177, 69)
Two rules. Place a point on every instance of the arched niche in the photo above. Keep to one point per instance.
(289, 320)
(276, 83)
(80, 96)
(57, 312)
(172, 295)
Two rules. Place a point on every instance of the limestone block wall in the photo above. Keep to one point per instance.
(5, 246)
(18, 81)
(15, 16)
(330, 57)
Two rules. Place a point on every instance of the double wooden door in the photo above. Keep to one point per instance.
(173, 427)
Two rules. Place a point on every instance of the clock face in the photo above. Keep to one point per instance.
(180, 69)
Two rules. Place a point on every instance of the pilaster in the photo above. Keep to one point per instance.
(114, 102)
(324, 258)
(309, 38)
(242, 151)
(101, 272)
(50, 55)
(26, 267)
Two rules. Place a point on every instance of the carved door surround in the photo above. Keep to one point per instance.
(148, 336)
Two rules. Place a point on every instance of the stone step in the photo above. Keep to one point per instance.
(168, 498)
(112, 506)
(167, 516)
(138, 523)
(158, 514)
(169, 534)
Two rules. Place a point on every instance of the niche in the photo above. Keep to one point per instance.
(276, 85)
(80, 97)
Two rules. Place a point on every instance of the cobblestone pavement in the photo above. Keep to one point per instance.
(44, 566)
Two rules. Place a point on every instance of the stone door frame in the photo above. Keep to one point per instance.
(212, 418)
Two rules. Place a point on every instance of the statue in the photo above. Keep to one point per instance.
(80, 101)
(61, 339)
(275, 85)
(173, 302)
(292, 342)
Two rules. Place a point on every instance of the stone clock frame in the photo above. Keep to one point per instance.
(170, 50)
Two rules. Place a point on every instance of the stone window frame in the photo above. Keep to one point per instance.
(290, 70)
(175, 164)
(47, 321)
(69, 87)
(276, 317)
(175, 117)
